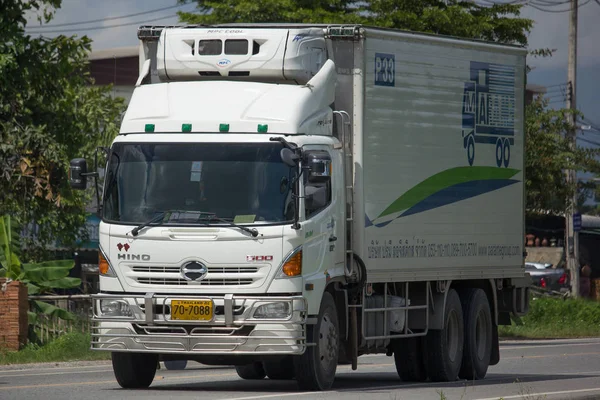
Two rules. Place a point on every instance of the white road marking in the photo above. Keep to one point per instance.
(541, 346)
(541, 394)
(55, 373)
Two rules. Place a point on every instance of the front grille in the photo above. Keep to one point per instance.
(162, 281)
(207, 282)
(160, 269)
(217, 275)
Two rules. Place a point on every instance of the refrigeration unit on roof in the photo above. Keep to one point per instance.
(272, 55)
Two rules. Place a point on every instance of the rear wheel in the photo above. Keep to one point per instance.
(408, 357)
(254, 371)
(445, 346)
(281, 369)
(315, 369)
(478, 334)
(133, 370)
(506, 152)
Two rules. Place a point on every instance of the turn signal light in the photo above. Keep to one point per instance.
(102, 264)
(293, 266)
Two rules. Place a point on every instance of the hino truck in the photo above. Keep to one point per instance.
(286, 198)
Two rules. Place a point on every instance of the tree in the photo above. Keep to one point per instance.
(50, 112)
(548, 155)
(498, 22)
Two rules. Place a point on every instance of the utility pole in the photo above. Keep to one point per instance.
(572, 242)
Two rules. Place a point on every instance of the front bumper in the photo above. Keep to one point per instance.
(233, 329)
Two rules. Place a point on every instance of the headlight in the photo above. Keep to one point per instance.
(115, 308)
(279, 310)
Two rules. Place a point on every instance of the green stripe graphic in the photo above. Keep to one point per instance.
(444, 179)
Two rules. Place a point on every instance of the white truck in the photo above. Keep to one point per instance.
(285, 198)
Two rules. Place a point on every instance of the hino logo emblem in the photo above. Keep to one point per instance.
(194, 271)
(132, 257)
(123, 246)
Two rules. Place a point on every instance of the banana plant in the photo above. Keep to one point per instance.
(40, 278)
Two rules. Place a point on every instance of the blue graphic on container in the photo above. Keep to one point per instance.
(488, 112)
(385, 69)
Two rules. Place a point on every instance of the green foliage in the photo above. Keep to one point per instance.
(500, 22)
(49, 113)
(39, 277)
(69, 347)
(554, 317)
(39, 307)
(548, 155)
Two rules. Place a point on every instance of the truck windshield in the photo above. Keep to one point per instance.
(239, 182)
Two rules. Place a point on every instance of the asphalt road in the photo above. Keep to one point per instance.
(560, 369)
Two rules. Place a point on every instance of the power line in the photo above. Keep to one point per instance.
(541, 5)
(104, 27)
(109, 18)
(531, 4)
(589, 141)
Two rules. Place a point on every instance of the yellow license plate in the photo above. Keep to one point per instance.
(192, 310)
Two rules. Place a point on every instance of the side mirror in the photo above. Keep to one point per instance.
(77, 173)
(288, 157)
(319, 166)
(315, 197)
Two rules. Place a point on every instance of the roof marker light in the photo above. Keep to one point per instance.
(263, 128)
(223, 127)
(149, 128)
(186, 127)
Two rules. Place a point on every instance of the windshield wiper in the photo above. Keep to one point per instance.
(213, 217)
(157, 218)
(161, 217)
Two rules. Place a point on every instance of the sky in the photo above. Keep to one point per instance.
(550, 31)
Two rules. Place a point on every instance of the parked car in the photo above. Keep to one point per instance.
(544, 276)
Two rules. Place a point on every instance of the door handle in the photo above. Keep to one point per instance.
(332, 239)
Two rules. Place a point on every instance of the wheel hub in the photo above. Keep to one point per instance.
(328, 342)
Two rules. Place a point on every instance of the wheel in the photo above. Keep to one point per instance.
(175, 364)
(408, 357)
(280, 370)
(506, 152)
(315, 369)
(499, 152)
(254, 371)
(471, 150)
(478, 334)
(445, 346)
(134, 370)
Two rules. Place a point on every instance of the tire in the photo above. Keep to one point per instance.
(134, 370)
(506, 153)
(315, 369)
(445, 346)
(280, 370)
(175, 365)
(254, 371)
(478, 334)
(499, 152)
(471, 150)
(409, 359)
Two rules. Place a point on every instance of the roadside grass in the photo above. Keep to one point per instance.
(552, 318)
(69, 347)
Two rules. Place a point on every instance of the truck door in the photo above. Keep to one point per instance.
(324, 224)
